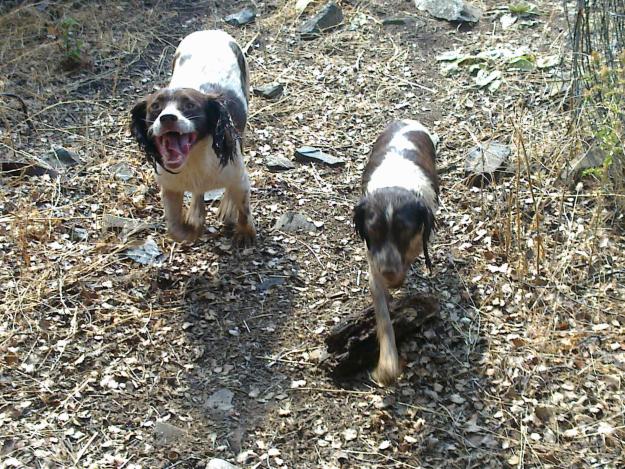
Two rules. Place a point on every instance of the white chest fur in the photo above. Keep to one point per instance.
(202, 172)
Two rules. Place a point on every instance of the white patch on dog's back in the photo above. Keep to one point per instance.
(206, 57)
(397, 171)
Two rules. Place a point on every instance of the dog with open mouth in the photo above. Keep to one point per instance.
(192, 133)
(395, 218)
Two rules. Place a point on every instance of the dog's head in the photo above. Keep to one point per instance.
(396, 225)
(167, 124)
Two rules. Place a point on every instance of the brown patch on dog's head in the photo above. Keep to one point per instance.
(396, 226)
(167, 124)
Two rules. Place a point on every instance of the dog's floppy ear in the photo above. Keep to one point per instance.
(225, 135)
(360, 212)
(425, 218)
(139, 130)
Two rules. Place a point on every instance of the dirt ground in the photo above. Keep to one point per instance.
(214, 352)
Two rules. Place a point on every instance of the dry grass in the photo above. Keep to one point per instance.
(523, 368)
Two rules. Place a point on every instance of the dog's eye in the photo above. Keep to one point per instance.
(155, 107)
(188, 105)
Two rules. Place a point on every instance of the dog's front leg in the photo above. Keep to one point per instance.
(196, 215)
(178, 229)
(388, 369)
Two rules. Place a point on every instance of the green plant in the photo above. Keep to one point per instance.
(520, 8)
(607, 97)
(71, 44)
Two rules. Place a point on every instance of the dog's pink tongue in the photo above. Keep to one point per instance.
(186, 141)
(173, 144)
(179, 144)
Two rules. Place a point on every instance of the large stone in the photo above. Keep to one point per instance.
(23, 168)
(269, 91)
(592, 158)
(329, 17)
(450, 10)
(147, 254)
(166, 433)
(485, 162)
(214, 195)
(220, 400)
(276, 163)
(292, 222)
(314, 155)
(60, 157)
(241, 18)
(122, 171)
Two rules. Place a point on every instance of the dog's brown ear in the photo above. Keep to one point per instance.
(360, 212)
(225, 135)
(425, 218)
(139, 130)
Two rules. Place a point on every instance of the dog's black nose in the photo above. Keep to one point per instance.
(168, 118)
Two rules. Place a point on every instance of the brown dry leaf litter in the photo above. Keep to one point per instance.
(211, 352)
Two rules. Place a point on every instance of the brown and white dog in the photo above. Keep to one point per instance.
(395, 218)
(192, 133)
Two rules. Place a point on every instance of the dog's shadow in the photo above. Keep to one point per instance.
(236, 309)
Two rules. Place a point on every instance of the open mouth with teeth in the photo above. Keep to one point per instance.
(174, 147)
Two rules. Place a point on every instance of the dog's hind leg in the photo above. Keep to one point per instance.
(235, 209)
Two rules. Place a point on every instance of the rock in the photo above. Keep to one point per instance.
(166, 433)
(61, 158)
(592, 158)
(147, 254)
(122, 171)
(277, 163)
(241, 18)
(292, 222)
(450, 10)
(79, 234)
(217, 463)
(485, 162)
(214, 195)
(329, 17)
(269, 282)
(313, 155)
(220, 400)
(22, 168)
(269, 91)
(398, 20)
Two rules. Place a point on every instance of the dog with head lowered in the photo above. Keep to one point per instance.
(192, 132)
(395, 218)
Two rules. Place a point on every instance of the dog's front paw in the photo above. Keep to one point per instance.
(244, 236)
(388, 369)
(184, 233)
